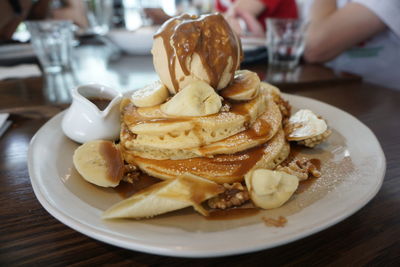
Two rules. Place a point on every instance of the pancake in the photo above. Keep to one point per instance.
(262, 130)
(153, 128)
(221, 168)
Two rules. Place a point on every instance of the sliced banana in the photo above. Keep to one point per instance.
(270, 189)
(150, 95)
(304, 124)
(99, 162)
(245, 86)
(269, 89)
(184, 191)
(196, 99)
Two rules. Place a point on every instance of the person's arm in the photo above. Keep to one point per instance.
(248, 11)
(11, 15)
(72, 10)
(40, 10)
(252, 7)
(332, 31)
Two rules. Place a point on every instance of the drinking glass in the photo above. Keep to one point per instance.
(285, 42)
(99, 14)
(52, 43)
(135, 12)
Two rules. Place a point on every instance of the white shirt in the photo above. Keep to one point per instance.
(377, 60)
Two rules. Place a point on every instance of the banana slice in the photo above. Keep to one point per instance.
(245, 86)
(150, 95)
(269, 89)
(304, 124)
(184, 191)
(196, 99)
(270, 189)
(99, 162)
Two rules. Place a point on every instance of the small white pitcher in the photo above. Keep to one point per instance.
(84, 121)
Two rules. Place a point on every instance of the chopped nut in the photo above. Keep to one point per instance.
(288, 128)
(302, 168)
(306, 128)
(280, 222)
(234, 195)
(284, 107)
(225, 108)
(126, 133)
(313, 141)
(131, 173)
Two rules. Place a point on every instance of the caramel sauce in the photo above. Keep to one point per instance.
(259, 129)
(239, 108)
(101, 103)
(125, 189)
(248, 160)
(131, 116)
(317, 163)
(162, 120)
(279, 222)
(206, 151)
(232, 214)
(233, 89)
(234, 166)
(294, 152)
(239, 85)
(304, 185)
(198, 191)
(209, 36)
(113, 159)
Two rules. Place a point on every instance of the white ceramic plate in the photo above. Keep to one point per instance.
(353, 167)
(252, 43)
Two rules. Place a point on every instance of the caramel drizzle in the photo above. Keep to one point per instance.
(113, 159)
(209, 36)
(238, 85)
(131, 116)
(125, 189)
(235, 165)
(231, 214)
(261, 129)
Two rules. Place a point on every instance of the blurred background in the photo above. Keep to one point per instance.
(109, 41)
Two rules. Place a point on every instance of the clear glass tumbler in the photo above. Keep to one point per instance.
(52, 43)
(285, 42)
(99, 14)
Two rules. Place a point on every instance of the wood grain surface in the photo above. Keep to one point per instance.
(31, 236)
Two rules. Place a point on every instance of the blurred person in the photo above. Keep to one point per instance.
(358, 36)
(13, 12)
(193, 7)
(70, 10)
(247, 17)
(250, 12)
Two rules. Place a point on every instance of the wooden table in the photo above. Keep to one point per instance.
(29, 235)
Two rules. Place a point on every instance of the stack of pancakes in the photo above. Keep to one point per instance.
(222, 147)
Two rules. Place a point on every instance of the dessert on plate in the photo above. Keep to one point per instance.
(216, 136)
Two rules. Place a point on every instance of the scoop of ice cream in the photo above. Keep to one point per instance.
(188, 48)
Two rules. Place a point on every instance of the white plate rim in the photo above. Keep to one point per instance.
(127, 243)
